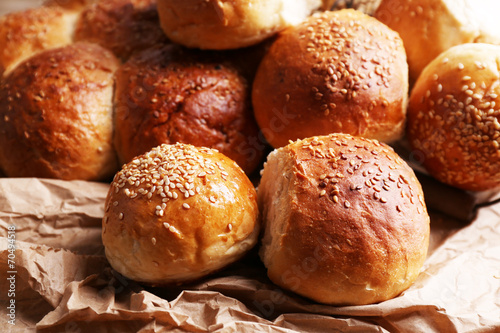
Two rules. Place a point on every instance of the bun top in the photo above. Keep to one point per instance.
(229, 24)
(429, 27)
(350, 209)
(23, 34)
(56, 115)
(169, 94)
(186, 211)
(340, 71)
(123, 26)
(454, 117)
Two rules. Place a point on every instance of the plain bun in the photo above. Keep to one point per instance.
(229, 24)
(344, 220)
(25, 33)
(56, 115)
(179, 213)
(169, 94)
(429, 27)
(454, 117)
(340, 71)
(123, 26)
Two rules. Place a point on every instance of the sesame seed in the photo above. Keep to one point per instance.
(186, 206)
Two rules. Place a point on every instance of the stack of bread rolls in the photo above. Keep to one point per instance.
(189, 96)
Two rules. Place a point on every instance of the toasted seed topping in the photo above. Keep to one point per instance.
(363, 170)
(169, 172)
(455, 127)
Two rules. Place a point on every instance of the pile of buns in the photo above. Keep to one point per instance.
(189, 97)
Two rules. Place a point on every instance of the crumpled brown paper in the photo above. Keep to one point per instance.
(62, 285)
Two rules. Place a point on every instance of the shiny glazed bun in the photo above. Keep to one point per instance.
(178, 213)
(123, 26)
(229, 24)
(56, 115)
(168, 94)
(429, 27)
(22, 34)
(454, 117)
(344, 220)
(339, 71)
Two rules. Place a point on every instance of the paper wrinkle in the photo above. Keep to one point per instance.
(65, 282)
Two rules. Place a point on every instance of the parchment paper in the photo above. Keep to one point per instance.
(63, 286)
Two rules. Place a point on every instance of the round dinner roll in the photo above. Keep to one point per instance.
(177, 214)
(25, 33)
(123, 26)
(429, 27)
(340, 71)
(229, 24)
(169, 94)
(344, 220)
(56, 115)
(454, 117)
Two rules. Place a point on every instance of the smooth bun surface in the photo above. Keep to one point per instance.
(169, 94)
(178, 213)
(229, 24)
(25, 33)
(344, 220)
(339, 71)
(123, 26)
(56, 115)
(454, 117)
(429, 27)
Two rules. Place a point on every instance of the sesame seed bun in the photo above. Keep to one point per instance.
(169, 94)
(178, 213)
(56, 115)
(344, 220)
(429, 27)
(340, 71)
(454, 117)
(229, 24)
(123, 26)
(25, 33)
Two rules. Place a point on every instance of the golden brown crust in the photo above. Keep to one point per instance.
(429, 27)
(338, 71)
(454, 117)
(22, 34)
(178, 213)
(168, 94)
(344, 220)
(229, 24)
(123, 26)
(56, 115)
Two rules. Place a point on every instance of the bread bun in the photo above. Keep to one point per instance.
(229, 24)
(169, 94)
(178, 213)
(344, 220)
(123, 26)
(454, 117)
(56, 115)
(339, 71)
(429, 27)
(25, 33)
